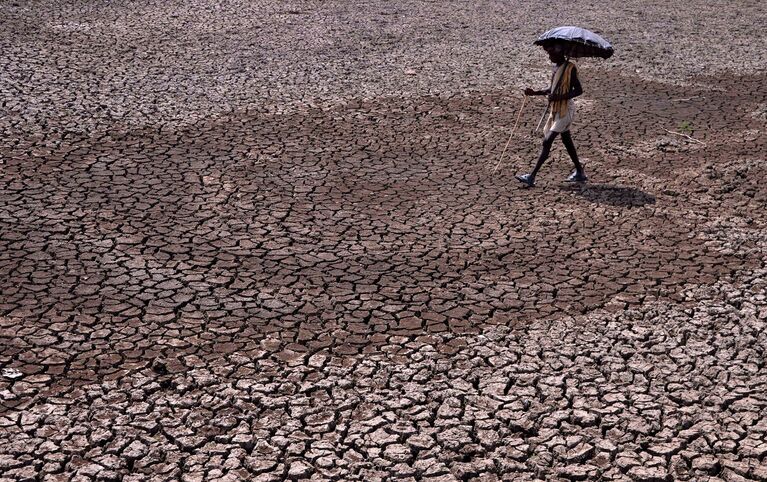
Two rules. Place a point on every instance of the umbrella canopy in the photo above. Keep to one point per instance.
(577, 42)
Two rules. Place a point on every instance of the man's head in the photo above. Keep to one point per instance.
(556, 53)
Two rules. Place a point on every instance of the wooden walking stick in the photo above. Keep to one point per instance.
(546, 111)
(513, 129)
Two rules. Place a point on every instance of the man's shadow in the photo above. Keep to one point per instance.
(619, 196)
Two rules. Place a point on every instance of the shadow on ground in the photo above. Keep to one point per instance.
(620, 196)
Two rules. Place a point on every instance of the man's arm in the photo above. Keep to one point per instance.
(575, 85)
(530, 91)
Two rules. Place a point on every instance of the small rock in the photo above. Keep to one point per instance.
(648, 474)
(299, 469)
(575, 472)
(135, 450)
(398, 453)
(12, 373)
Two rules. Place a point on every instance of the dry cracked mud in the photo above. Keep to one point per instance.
(264, 241)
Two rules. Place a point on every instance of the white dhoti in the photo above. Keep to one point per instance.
(557, 123)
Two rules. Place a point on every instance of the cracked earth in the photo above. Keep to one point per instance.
(248, 241)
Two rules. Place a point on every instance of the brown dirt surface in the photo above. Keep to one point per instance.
(264, 241)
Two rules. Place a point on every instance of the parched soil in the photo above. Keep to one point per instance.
(248, 241)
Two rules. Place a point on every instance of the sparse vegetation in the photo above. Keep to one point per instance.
(685, 127)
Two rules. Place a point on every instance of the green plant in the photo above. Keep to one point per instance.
(685, 127)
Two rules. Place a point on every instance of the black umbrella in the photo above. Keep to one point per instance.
(577, 42)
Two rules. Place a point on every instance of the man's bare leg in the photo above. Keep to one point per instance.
(548, 140)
